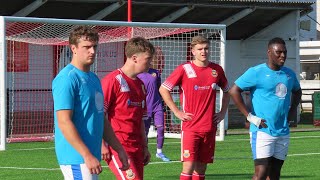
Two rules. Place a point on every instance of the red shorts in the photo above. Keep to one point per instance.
(135, 170)
(198, 146)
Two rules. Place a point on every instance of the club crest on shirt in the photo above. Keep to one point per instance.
(99, 101)
(214, 73)
(154, 74)
(186, 153)
(281, 90)
(130, 174)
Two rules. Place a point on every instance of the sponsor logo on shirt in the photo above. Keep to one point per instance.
(281, 90)
(130, 174)
(288, 76)
(214, 73)
(135, 103)
(196, 87)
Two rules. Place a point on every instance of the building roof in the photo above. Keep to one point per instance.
(243, 18)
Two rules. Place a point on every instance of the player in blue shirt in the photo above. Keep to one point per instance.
(78, 112)
(275, 95)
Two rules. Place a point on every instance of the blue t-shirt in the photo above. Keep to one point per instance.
(80, 92)
(270, 93)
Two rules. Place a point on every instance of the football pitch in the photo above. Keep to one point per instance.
(37, 161)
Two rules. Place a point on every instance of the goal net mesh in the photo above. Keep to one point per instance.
(37, 51)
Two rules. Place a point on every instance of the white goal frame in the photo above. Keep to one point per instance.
(3, 59)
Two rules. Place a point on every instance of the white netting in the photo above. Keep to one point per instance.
(37, 51)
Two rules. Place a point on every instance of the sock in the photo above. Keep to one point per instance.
(159, 150)
(185, 176)
(198, 176)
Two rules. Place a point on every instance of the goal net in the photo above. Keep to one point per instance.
(34, 50)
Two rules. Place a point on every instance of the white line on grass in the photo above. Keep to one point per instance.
(174, 142)
(151, 163)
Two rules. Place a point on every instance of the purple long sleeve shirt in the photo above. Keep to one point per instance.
(152, 81)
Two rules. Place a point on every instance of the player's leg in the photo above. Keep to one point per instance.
(261, 168)
(280, 154)
(159, 124)
(77, 171)
(262, 146)
(147, 124)
(206, 151)
(189, 154)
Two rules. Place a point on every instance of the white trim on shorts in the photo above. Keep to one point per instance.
(264, 145)
(77, 172)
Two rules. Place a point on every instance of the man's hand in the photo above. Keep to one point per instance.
(105, 152)
(184, 116)
(123, 157)
(93, 164)
(263, 123)
(218, 117)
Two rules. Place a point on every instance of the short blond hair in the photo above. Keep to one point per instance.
(199, 40)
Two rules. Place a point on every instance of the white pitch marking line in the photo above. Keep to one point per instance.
(55, 169)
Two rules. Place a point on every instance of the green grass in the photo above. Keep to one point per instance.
(30, 161)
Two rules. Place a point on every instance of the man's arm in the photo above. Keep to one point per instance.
(235, 93)
(295, 100)
(146, 153)
(166, 96)
(71, 134)
(224, 107)
(112, 140)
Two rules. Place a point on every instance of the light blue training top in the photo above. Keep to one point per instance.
(270, 93)
(80, 92)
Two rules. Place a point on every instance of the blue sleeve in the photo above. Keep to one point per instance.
(63, 93)
(296, 84)
(247, 80)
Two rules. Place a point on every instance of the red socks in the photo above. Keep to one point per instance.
(192, 177)
(185, 176)
(198, 176)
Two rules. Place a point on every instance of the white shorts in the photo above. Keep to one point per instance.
(264, 145)
(77, 172)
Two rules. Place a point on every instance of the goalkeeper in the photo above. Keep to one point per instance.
(271, 86)
(152, 82)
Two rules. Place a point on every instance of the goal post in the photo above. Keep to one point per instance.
(34, 50)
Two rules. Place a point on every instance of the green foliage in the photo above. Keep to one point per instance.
(29, 161)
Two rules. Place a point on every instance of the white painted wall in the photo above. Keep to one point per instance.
(240, 55)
